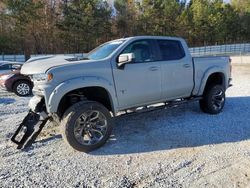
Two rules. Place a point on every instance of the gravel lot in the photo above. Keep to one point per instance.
(178, 147)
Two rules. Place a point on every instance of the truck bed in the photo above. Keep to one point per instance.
(204, 65)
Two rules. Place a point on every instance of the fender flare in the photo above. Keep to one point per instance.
(209, 72)
(77, 83)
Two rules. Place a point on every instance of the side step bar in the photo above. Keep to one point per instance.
(29, 129)
(165, 105)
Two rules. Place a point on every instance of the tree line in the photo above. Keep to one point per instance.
(75, 26)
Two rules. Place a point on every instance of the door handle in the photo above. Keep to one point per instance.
(186, 65)
(153, 68)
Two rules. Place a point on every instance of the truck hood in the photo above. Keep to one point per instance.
(39, 65)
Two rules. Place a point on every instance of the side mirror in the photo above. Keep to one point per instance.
(125, 58)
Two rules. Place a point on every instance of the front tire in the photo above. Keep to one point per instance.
(214, 99)
(86, 126)
(22, 88)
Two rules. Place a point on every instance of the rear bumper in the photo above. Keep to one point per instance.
(5, 85)
(2, 85)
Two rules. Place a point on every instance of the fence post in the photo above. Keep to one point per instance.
(240, 57)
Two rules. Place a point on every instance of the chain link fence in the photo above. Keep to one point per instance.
(229, 49)
(21, 58)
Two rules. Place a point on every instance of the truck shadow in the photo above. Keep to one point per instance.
(181, 127)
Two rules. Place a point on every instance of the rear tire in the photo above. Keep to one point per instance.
(86, 126)
(22, 88)
(213, 99)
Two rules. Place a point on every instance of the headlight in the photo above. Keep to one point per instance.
(42, 77)
(6, 77)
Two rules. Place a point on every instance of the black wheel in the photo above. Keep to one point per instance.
(86, 126)
(214, 100)
(22, 88)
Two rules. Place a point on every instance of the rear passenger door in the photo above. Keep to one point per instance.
(177, 70)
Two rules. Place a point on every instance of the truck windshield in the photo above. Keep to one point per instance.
(104, 50)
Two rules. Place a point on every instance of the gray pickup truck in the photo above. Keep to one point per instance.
(123, 76)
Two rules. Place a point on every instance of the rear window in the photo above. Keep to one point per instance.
(170, 50)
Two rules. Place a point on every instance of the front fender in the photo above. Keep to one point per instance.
(77, 83)
(210, 71)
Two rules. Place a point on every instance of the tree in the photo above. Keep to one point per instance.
(24, 15)
(85, 23)
(71, 26)
(126, 18)
(243, 8)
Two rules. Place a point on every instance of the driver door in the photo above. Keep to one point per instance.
(139, 82)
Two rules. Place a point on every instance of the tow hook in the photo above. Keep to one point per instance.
(29, 129)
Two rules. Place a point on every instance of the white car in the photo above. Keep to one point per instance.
(7, 66)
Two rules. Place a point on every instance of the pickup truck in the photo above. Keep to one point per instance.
(124, 76)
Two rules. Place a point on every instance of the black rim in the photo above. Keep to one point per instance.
(218, 99)
(90, 127)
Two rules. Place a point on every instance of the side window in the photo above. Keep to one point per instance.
(5, 67)
(171, 49)
(142, 51)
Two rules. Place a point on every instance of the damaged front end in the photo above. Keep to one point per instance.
(32, 124)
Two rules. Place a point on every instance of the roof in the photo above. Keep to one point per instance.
(153, 37)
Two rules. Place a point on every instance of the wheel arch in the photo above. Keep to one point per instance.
(217, 77)
(18, 80)
(90, 93)
(95, 89)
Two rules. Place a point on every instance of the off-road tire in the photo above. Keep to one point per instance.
(70, 117)
(207, 104)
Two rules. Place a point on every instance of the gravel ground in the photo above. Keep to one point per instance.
(178, 147)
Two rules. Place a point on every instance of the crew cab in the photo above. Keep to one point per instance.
(122, 76)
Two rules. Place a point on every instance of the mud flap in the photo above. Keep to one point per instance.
(28, 130)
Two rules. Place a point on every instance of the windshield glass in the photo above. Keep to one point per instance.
(104, 50)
